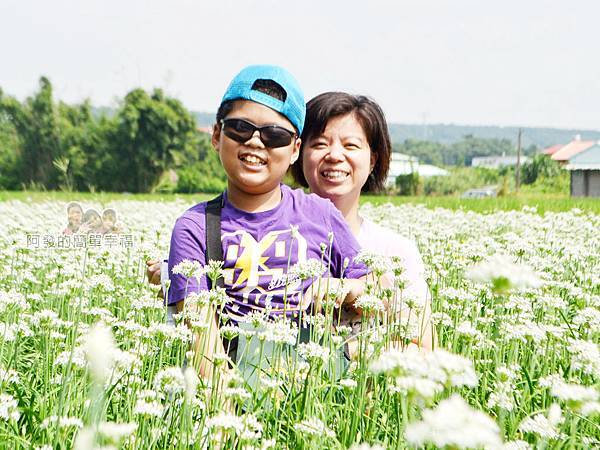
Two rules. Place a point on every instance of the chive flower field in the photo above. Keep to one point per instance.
(88, 360)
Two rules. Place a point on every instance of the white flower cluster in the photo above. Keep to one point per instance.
(370, 303)
(501, 271)
(189, 269)
(305, 270)
(545, 426)
(502, 396)
(425, 373)
(312, 351)
(9, 407)
(455, 424)
(314, 427)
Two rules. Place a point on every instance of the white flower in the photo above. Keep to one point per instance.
(516, 445)
(236, 393)
(189, 269)
(225, 421)
(246, 426)
(573, 393)
(116, 431)
(170, 381)
(103, 281)
(585, 355)
(191, 383)
(8, 407)
(439, 367)
(214, 269)
(313, 351)
(280, 330)
(311, 268)
(8, 376)
(366, 447)
(503, 273)
(148, 408)
(544, 426)
(62, 422)
(588, 317)
(369, 303)
(100, 349)
(455, 424)
(348, 383)
(314, 427)
(378, 264)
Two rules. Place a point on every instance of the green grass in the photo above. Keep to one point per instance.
(544, 202)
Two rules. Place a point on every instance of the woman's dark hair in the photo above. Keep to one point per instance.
(324, 107)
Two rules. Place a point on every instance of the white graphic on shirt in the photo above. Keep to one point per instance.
(261, 266)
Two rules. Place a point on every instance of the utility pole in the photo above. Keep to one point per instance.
(518, 170)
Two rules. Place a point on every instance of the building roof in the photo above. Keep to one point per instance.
(497, 161)
(571, 149)
(552, 149)
(588, 159)
(427, 170)
(397, 156)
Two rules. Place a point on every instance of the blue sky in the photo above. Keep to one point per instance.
(530, 63)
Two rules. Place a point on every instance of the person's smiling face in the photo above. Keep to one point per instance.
(75, 214)
(338, 162)
(251, 167)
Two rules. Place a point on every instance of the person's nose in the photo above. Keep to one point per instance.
(255, 141)
(336, 153)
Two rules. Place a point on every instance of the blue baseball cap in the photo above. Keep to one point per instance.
(293, 108)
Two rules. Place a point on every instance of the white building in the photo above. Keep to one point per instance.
(495, 162)
(401, 164)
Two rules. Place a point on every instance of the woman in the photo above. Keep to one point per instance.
(345, 151)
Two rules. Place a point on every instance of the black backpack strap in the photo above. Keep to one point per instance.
(214, 250)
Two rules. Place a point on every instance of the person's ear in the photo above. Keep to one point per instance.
(216, 136)
(374, 157)
(296, 151)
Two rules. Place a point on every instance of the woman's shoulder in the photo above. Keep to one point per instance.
(384, 241)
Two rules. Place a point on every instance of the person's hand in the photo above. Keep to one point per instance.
(153, 271)
(343, 292)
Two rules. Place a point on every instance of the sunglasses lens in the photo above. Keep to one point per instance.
(275, 137)
(272, 136)
(238, 130)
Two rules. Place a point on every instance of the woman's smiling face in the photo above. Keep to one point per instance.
(338, 162)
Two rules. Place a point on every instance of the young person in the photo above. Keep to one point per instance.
(346, 151)
(92, 222)
(109, 222)
(266, 227)
(74, 217)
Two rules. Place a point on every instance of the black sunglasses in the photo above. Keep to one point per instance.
(272, 136)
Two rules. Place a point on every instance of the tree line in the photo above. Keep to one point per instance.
(459, 153)
(48, 144)
(149, 143)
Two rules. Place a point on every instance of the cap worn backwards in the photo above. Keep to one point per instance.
(293, 107)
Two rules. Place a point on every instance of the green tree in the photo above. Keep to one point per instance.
(9, 148)
(153, 133)
(35, 122)
(540, 166)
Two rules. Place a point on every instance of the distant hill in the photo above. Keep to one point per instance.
(449, 133)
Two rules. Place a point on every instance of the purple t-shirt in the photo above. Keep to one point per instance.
(256, 250)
